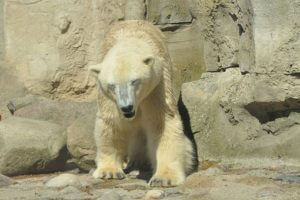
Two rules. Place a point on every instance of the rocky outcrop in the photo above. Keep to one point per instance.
(244, 116)
(30, 146)
(249, 108)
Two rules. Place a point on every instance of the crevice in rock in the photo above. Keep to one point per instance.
(270, 111)
(174, 26)
(170, 28)
(146, 9)
(185, 117)
(297, 75)
(233, 16)
(241, 29)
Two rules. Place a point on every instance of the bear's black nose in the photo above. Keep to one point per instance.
(127, 109)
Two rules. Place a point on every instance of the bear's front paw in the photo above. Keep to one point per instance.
(108, 173)
(165, 181)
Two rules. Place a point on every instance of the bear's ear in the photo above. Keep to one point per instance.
(149, 61)
(96, 69)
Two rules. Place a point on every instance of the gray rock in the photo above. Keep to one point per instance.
(64, 180)
(186, 53)
(11, 87)
(111, 195)
(80, 141)
(30, 146)
(244, 116)
(281, 53)
(163, 12)
(63, 113)
(5, 181)
(154, 194)
(135, 9)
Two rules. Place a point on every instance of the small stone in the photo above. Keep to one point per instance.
(5, 181)
(110, 195)
(64, 180)
(154, 194)
(134, 174)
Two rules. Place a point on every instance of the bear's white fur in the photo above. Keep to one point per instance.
(136, 68)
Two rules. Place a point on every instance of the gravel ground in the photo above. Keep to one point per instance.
(212, 182)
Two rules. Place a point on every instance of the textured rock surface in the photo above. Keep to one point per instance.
(30, 146)
(53, 61)
(80, 141)
(231, 182)
(5, 181)
(244, 116)
(64, 180)
(247, 105)
(276, 38)
(63, 113)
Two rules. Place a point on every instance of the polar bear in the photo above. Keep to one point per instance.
(137, 119)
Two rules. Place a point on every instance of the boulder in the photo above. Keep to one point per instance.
(63, 112)
(31, 146)
(64, 180)
(235, 116)
(80, 141)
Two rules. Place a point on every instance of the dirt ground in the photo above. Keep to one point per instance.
(213, 181)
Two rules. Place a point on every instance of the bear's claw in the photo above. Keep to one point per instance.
(106, 174)
(162, 182)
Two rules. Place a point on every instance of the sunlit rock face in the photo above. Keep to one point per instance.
(236, 64)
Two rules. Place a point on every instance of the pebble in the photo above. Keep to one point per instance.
(154, 194)
(110, 195)
(64, 180)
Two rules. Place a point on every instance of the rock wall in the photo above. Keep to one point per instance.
(247, 106)
(61, 38)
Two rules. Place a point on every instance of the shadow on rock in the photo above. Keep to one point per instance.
(185, 117)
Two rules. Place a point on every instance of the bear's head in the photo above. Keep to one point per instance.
(127, 78)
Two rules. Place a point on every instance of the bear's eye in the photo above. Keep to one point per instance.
(111, 87)
(135, 82)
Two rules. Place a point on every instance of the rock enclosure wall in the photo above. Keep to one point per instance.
(245, 105)
(52, 60)
(248, 103)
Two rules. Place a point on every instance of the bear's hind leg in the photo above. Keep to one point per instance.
(110, 152)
